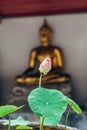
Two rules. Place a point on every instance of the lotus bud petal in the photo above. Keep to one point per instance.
(45, 66)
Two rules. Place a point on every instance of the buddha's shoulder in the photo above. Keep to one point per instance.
(57, 48)
(36, 49)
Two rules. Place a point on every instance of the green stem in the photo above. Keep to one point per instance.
(40, 80)
(9, 122)
(41, 118)
(41, 123)
(66, 120)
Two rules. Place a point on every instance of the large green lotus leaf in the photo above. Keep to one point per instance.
(19, 121)
(8, 109)
(47, 102)
(74, 106)
(52, 121)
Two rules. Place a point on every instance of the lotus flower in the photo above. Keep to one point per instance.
(45, 66)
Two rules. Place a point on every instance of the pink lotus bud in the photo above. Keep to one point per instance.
(45, 66)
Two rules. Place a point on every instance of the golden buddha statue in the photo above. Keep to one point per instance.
(56, 75)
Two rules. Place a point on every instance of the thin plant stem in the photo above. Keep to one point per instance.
(41, 118)
(9, 122)
(40, 80)
(66, 120)
(41, 123)
(57, 127)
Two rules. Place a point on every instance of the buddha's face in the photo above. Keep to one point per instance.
(45, 36)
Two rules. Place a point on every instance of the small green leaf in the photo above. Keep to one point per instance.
(8, 109)
(23, 128)
(47, 102)
(74, 106)
(19, 121)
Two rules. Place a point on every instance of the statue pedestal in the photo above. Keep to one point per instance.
(20, 93)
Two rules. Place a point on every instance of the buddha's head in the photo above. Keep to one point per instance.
(45, 33)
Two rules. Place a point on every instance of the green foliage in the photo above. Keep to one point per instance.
(23, 128)
(47, 103)
(52, 121)
(19, 121)
(8, 109)
(74, 106)
(50, 104)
